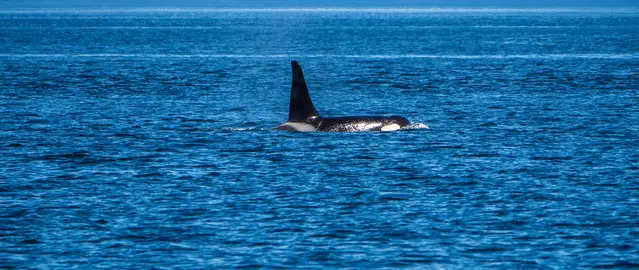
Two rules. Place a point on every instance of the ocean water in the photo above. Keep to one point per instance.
(142, 139)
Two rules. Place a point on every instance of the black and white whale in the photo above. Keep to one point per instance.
(302, 115)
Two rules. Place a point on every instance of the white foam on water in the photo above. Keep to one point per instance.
(240, 128)
(416, 126)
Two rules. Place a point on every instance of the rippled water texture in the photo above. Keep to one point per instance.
(143, 139)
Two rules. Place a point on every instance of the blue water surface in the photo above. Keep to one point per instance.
(142, 139)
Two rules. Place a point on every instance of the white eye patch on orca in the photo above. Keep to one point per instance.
(391, 127)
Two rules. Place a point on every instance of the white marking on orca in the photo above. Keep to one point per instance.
(297, 126)
(391, 127)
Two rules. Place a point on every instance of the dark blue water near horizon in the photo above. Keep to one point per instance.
(143, 140)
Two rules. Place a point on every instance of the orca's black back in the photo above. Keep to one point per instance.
(360, 123)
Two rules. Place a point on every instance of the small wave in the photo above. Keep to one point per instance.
(110, 27)
(242, 128)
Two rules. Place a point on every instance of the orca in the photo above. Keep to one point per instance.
(302, 115)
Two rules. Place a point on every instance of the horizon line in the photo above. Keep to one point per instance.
(328, 9)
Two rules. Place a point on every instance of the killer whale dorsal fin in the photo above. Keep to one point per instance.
(301, 107)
